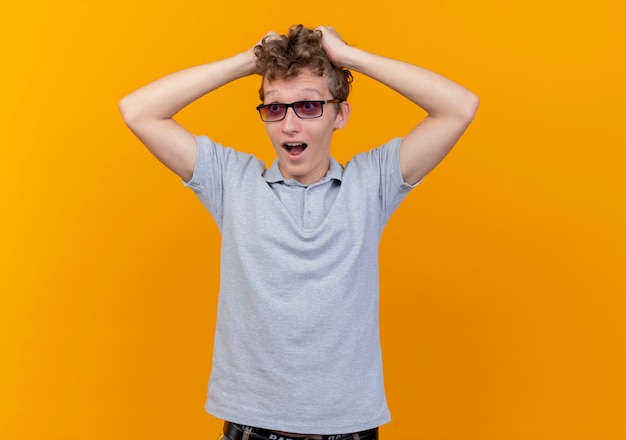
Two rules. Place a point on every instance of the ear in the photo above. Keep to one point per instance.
(343, 114)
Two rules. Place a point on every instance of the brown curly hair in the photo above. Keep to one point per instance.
(284, 56)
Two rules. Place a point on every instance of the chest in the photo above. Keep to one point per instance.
(294, 218)
(306, 206)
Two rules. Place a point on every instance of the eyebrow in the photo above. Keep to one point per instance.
(305, 91)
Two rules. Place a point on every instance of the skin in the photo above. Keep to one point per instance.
(149, 111)
(450, 107)
(311, 164)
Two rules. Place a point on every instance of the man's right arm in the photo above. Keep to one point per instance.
(149, 111)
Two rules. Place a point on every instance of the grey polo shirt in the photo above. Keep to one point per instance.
(297, 339)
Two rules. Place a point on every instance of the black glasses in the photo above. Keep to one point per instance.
(303, 109)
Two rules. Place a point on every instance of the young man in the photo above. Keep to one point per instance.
(297, 352)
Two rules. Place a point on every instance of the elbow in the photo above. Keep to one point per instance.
(475, 103)
(461, 107)
(126, 108)
(470, 106)
(133, 110)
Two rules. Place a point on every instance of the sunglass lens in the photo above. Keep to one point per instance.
(273, 112)
(308, 109)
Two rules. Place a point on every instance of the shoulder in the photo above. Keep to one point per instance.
(381, 157)
(215, 161)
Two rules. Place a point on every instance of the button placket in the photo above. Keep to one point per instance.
(312, 210)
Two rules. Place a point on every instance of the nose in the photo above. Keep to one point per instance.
(291, 122)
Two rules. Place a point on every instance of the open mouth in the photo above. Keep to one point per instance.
(294, 148)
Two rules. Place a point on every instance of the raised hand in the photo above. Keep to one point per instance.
(337, 49)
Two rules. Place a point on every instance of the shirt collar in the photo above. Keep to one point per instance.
(273, 174)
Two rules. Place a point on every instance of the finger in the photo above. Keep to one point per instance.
(269, 35)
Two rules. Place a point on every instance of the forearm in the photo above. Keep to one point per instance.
(149, 111)
(437, 95)
(165, 97)
(450, 107)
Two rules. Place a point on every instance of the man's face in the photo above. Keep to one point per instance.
(303, 145)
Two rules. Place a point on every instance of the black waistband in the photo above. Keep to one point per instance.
(238, 432)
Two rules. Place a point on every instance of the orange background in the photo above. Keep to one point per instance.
(503, 309)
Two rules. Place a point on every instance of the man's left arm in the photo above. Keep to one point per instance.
(450, 107)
